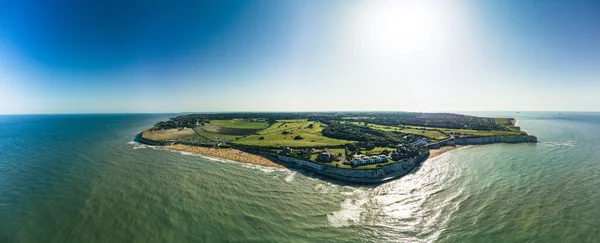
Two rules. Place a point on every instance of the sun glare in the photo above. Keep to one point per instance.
(385, 29)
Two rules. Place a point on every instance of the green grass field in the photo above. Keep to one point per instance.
(428, 132)
(167, 134)
(438, 133)
(507, 123)
(215, 135)
(479, 133)
(376, 151)
(273, 135)
(241, 123)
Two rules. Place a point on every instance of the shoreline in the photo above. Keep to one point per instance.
(442, 150)
(227, 153)
(248, 158)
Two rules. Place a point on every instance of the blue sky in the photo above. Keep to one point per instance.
(183, 56)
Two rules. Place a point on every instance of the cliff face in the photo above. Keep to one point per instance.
(395, 170)
(489, 140)
(140, 139)
(359, 175)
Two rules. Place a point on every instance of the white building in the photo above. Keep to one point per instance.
(365, 160)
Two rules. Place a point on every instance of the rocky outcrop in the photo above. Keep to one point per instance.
(377, 175)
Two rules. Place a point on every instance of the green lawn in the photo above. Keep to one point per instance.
(507, 123)
(293, 120)
(215, 135)
(241, 123)
(376, 150)
(480, 133)
(273, 135)
(438, 133)
(427, 132)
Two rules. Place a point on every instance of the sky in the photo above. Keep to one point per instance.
(109, 56)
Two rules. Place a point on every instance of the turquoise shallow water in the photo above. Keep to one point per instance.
(79, 178)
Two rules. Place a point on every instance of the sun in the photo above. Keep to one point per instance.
(396, 28)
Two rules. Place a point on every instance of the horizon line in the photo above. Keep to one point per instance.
(350, 111)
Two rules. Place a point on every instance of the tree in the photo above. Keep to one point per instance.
(369, 146)
(298, 137)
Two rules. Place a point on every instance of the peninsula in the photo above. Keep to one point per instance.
(360, 147)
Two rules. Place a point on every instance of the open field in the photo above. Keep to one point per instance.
(509, 123)
(439, 133)
(376, 150)
(483, 133)
(215, 135)
(233, 128)
(428, 132)
(240, 124)
(504, 121)
(168, 134)
(209, 128)
(480, 133)
(282, 134)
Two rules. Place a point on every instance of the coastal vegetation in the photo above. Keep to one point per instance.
(284, 133)
(334, 139)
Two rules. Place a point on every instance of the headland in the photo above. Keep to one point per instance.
(358, 147)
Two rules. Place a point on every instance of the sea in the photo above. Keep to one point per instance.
(81, 178)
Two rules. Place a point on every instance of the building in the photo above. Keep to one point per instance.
(305, 153)
(365, 160)
(286, 151)
(326, 157)
(421, 142)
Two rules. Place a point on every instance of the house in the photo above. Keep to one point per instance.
(326, 157)
(305, 153)
(365, 160)
(421, 142)
(286, 151)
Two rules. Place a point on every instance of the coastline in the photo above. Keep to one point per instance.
(248, 158)
(442, 150)
(227, 153)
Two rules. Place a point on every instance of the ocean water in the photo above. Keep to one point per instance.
(80, 178)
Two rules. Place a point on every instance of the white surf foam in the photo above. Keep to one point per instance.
(290, 177)
(560, 144)
(351, 212)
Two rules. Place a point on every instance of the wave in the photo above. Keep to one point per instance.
(290, 177)
(351, 210)
(560, 144)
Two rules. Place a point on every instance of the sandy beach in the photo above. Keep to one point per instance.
(437, 152)
(230, 154)
(243, 157)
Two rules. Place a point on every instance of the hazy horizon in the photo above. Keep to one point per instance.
(465, 112)
(432, 56)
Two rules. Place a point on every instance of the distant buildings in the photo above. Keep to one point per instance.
(365, 160)
(421, 142)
